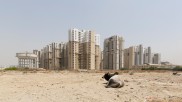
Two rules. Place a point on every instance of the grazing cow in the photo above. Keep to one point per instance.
(113, 80)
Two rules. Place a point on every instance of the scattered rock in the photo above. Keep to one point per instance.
(24, 72)
(142, 86)
(126, 81)
(131, 73)
(34, 71)
(176, 73)
(154, 99)
(138, 83)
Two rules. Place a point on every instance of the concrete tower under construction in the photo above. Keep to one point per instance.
(84, 50)
(113, 53)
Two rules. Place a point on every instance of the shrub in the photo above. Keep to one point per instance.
(155, 68)
(11, 68)
(23, 69)
(124, 69)
(150, 68)
(177, 68)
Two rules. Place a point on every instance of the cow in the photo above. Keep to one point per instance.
(113, 80)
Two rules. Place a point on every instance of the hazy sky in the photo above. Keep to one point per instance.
(31, 24)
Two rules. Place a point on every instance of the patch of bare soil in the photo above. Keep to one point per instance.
(65, 86)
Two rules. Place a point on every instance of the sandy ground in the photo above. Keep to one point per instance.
(65, 86)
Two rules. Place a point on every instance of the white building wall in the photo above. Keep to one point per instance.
(97, 39)
(139, 55)
(27, 59)
(86, 37)
(113, 53)
(146, 56)
(74, 34)
(82, 36)
(149, 55)
(156, 58)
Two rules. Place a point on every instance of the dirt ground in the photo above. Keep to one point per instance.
(65, 86)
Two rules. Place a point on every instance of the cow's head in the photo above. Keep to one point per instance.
(107, 75)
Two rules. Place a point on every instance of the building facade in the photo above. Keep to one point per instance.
(157, 58)
(52, 56)
(28, 60)
(84, 50)
(129, 57)
(138, 56)
(147, 55)
(113, 53)
(74, 48)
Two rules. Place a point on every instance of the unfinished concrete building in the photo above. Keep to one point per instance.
(84, 50)
(113, 53)
(138, 56)
(52, 56)
(139, 52)
(156, 58)
(64, 56)
(74, 48)
(98, 56)
(28, 60)
(147, 55)
(129, 57)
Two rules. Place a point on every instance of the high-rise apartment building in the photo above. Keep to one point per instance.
(129, 57)
(102, 60)
(157, 58)
(88, 51)
(133, 56)
(52, 56)
(64, 56)
(139, 55)
(97, 52)
(113, 53)
(84, 50)
(74, 48)
(147, 56)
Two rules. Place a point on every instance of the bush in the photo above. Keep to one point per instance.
(23, 69)
(177, 68)
(150, 68)
(124, 69)
(11, 68)
(155, 68)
